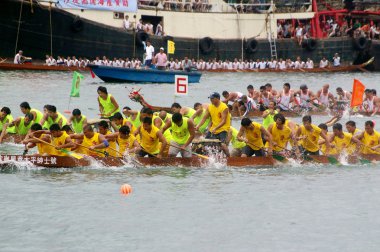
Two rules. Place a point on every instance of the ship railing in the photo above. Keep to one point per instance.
(179, 5)
(243, 6)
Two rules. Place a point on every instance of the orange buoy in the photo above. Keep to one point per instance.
(126, 189)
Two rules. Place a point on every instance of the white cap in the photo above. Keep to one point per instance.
(162, 49)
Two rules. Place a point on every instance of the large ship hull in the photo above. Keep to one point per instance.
(40, 30)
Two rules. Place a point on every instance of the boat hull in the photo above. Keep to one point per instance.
(118, 74)
(70, 162)
(32, 67)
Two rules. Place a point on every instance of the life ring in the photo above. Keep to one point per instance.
(360, 43)
(311, 44)
(251, 46)
(206, 45)
(141, 37)
(77, 24)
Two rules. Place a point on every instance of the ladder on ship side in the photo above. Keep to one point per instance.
(273, 47)
(272, 39)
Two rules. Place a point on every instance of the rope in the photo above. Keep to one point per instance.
(18, 28)
(51, 32)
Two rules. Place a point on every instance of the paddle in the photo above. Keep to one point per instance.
(194, 153)
(312, 103)
(331, 159)
(275, 156)
(25, 151)
(132, 158)
(105, 153)
(70, 153)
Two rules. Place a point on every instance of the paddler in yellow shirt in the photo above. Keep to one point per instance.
(309, 135)
(343, 140)
(281, 134)
(43, 149)
(126, 140)
(94, 143)
(117, 120)
(370, 138)
(159, 123)
(220, 117)
(107, 103)
(252, 134)
(183, 132)
(152, 141)
(104, 129)
(59, 138)
(322, 142)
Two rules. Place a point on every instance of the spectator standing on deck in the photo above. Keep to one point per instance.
(159, 29)
(149, 51)
(161, 59)
(127, 24)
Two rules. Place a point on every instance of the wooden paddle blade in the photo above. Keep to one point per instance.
(199, 155)
(70, 153)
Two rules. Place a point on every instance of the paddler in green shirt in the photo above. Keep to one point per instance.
(6, 118)
(185, 111)
(107, 103)
(132, 116)
(183, 132)
(268, 115)
(22, 125)
(237, 146)
(200, 111)
(26, 109)
(77, 121)
(51, 117)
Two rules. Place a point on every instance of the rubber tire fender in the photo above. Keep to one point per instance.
(251, 46)
(77, 24)
(206, 45)
(141, 37)
(360, 43)
(311, 44)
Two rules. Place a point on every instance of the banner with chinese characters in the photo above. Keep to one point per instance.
(106, 5)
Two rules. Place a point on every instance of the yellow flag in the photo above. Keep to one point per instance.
(171, 47)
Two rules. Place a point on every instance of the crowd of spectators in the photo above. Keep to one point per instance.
(146, 26)
(211, 64)
(301, 30)
(176, 5)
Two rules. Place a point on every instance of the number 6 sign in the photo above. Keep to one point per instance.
(181, 85)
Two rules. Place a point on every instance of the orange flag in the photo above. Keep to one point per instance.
(357, 93)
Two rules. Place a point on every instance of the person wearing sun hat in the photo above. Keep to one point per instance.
(161, 60)
(220, 117)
